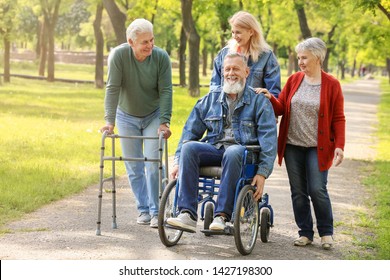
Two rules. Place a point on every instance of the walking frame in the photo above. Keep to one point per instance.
(163, 169)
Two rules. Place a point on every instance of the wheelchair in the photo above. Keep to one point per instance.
(248, 215)
(162, 160)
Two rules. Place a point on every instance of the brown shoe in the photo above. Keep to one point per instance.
(326, 242)
(302, 241)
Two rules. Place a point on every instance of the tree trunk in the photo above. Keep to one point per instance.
(7, 50)
(182, 57)
(118, 20)
(39, 36)
(51, 17)
(204, 58)
(43, 49)
(384, 10)
(305, 30)
(194, 42)
(212, 56)
(388, 67)
(342, 68)
(329, 45)
(154, 12)
(291, 62)
(99, 60)
(353, 66)
(50, 54)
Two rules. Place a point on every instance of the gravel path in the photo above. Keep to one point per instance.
(66, 229)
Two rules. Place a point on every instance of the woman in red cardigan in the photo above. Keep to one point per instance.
(311, 137)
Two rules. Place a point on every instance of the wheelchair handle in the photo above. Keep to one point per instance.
(253, 148)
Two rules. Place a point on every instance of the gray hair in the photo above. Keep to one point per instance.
(138, 26)
(236, 54)
(314, 45)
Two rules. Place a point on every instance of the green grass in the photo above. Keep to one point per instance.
(379, 181)
(373, 225)
(62, 71)
(50, 145)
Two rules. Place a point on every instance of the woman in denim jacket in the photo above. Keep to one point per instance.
(248, 40)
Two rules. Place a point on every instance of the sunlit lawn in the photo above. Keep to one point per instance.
(50, 145)
(379, 181)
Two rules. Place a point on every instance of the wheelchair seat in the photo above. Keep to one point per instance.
(211, 171)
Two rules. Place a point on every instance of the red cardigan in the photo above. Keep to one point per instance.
(331, 118)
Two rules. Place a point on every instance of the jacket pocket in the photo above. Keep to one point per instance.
(248, 132)
(213, 124)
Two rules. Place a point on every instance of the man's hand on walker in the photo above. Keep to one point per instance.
(165, 129)
(109, 128)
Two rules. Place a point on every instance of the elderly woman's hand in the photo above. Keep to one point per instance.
(338, 156)
(264, 91)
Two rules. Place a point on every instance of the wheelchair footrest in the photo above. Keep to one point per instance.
(178, 228)
(227, 231)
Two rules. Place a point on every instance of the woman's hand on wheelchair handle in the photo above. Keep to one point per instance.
(258, 181)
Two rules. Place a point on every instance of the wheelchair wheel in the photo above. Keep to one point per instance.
(265, 224)
(246, 220)
(208, 216)
(168, 236)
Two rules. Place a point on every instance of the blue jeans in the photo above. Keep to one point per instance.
(196, 154)
(144, 184)
(306, 180)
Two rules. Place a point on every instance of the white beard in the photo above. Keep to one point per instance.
(234, 88)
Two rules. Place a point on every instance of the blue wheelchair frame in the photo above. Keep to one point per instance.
(209, 185)
(209, 182)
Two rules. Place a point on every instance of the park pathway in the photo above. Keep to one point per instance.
(66, 229)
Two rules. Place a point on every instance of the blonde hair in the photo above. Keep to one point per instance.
(257, 43)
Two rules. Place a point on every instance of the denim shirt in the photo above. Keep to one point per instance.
(265, 73)
(253, 123)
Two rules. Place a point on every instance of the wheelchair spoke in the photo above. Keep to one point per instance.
(246, 221)
(168, 235)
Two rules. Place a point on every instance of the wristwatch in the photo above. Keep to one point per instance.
(166, 124)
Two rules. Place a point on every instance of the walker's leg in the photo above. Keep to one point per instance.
(100, 196)
(114, 224)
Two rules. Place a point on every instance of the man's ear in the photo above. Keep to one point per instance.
(247, 70)
(131, 43)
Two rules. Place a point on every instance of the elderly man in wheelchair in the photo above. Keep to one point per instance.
(233, 118)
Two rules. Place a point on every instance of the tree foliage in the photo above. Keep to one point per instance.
(356, 32)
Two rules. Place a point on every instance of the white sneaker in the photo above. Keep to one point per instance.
(302, 241)
(327, 242)
(184, 221)
(218, 223)
(154, 221)
(143, 219)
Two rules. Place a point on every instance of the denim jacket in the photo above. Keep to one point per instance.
(265, 73)
(253, 123)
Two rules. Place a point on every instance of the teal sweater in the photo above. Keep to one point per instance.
(138, 88)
